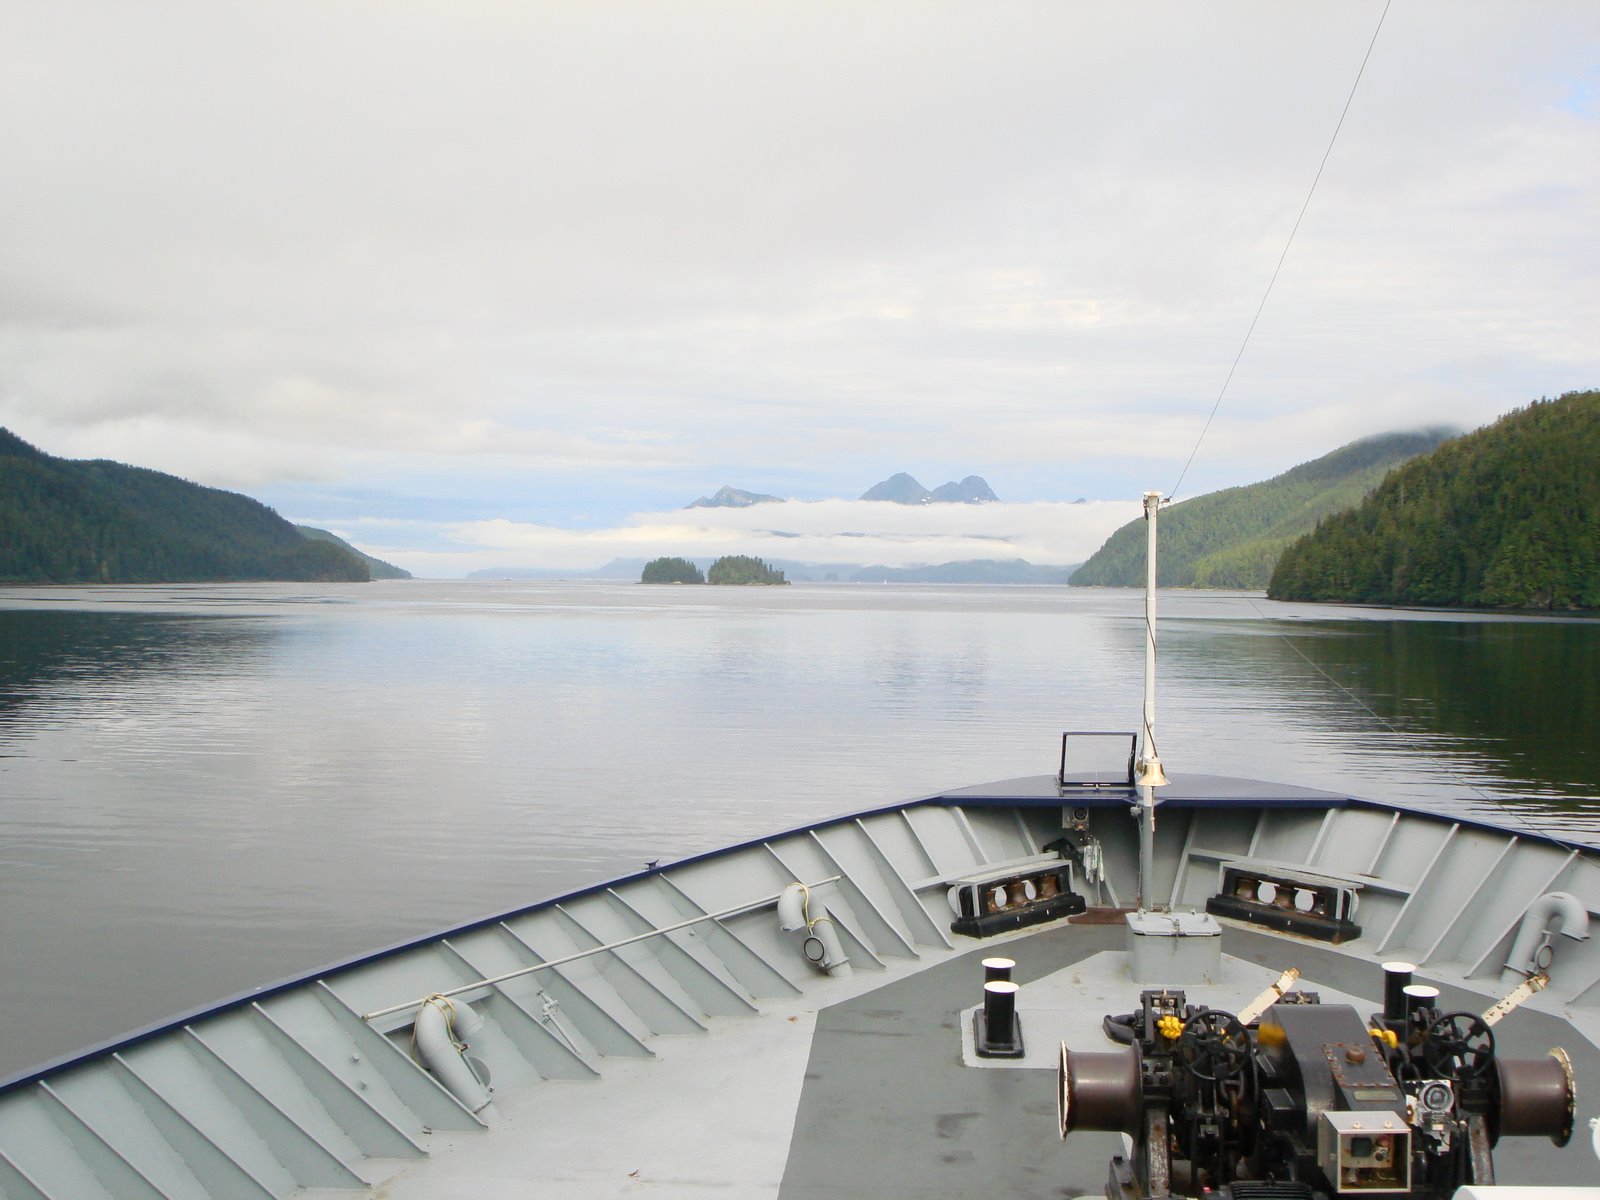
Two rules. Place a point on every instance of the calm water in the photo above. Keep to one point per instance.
(203, 789)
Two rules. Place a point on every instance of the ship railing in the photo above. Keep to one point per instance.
(550, 964)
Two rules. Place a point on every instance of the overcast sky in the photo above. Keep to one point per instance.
(509, 283)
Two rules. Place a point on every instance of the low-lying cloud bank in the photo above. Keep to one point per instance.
(824, 531)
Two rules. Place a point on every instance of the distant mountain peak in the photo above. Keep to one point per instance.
(898, 489)
(903, 489)
(732, 497)
(971, 490)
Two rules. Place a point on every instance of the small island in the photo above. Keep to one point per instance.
(729, 569)
(742, 569)
(671, 570)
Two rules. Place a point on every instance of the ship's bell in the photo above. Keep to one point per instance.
(1149, 773)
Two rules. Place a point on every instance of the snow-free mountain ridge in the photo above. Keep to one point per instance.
(900, 488)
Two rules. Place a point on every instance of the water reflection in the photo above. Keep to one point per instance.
(39, 648)
(201, 789)
(1515, 702)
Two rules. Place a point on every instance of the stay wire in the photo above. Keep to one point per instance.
(1206, 428)
(1459, 780)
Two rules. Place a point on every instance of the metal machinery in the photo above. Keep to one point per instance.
(1309, 1100)
(1023, 893)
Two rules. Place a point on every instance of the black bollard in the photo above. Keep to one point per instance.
(1396, 978)
(998, 970)
(996, 1029)
(1419, 996)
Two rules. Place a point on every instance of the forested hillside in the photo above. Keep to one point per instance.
(376, 567)
(1506, 517)
(1232, 538)
(67, 521)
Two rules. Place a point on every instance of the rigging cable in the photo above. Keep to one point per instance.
(1237, 357)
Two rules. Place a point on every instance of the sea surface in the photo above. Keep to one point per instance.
(206, 788)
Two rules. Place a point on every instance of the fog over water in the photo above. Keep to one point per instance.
(206, 788)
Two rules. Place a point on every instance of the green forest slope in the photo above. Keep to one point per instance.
(376, 567)
(69, 521)
(1506, 517)
(1232, 538)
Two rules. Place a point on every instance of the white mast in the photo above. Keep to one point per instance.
(1149, 774)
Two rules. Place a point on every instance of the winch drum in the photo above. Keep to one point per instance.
(1099, 1091)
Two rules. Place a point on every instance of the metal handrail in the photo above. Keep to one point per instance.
(627, 941)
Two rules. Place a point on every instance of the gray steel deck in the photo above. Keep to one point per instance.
(639, 1054)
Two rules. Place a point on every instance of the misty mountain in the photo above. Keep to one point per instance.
(732, 497)
(903, 489)
(1232, 538)
(971, 490)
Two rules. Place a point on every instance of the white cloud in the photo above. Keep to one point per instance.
(353, 242)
